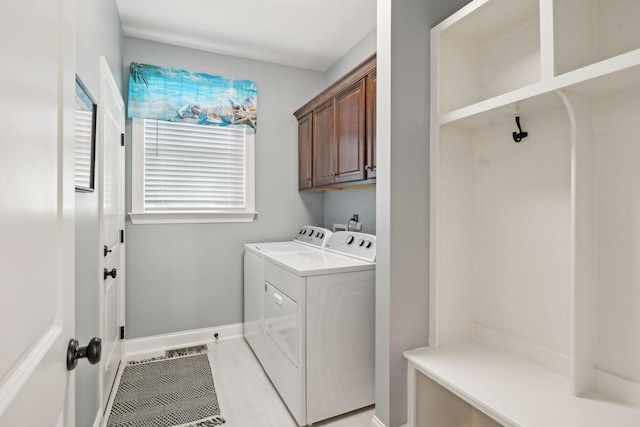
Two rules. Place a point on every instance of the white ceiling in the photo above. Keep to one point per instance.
(311, 34)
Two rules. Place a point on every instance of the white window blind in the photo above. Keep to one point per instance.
(83, 158)
(192, 169)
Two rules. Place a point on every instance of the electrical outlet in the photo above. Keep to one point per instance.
(354, 225)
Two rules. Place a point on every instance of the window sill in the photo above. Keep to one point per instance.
(190, 217)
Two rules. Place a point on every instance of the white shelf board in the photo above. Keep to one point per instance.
(516, 392)
(607, 76)
(610, 75)
(502, 107)
(481, 18)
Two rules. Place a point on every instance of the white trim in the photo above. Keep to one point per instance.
(112, 396)
(15, 380)
(137, 173)
(376, 422)
(190, 217)
(617, 388)
(556, 362)
(98, 420)
(159, 343)
(109, 95)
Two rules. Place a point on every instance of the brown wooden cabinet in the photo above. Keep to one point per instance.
(305, 147)
(342, 132)
(350, 136)
(323, 143)
(370, 166)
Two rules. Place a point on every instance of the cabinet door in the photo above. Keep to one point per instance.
(350, 133)
(370, 166)
(305, 138)
(323, 144)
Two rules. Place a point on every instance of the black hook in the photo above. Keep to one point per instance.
(517, 136)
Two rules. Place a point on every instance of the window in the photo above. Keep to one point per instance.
(187, 173)
(85, 138)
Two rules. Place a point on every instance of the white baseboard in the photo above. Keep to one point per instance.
(377, 422)
(616, 387)
(160, 343)
(556, 362)
(98, 420)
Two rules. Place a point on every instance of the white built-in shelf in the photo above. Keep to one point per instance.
(606, 76)
(487, 53)
(513, 391)
(534, 246)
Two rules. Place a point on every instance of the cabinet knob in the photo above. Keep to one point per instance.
(367, 167)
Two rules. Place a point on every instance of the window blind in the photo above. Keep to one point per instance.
(83, 158)
(194, 168)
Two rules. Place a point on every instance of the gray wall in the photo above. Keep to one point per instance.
(99, 33)
(358, 53)
(402, 193)
(189, 276)
(339, 206)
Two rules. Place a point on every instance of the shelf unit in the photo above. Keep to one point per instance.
(534, 245)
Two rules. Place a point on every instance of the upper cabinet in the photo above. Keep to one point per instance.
(305, 138)
(534, 242)
(339, 126)
(350, 126)
(371, 83)
(323, 143)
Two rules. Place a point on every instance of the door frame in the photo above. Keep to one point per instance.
(107, 83)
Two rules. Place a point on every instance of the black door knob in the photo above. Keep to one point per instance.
(92, 352)
(111, 273)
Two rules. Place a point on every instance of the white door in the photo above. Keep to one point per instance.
(111, 113)
(37, 80)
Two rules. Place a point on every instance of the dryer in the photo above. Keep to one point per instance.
(319, 326)
(308, 238)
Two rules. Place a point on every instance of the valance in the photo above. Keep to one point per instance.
(183, 96)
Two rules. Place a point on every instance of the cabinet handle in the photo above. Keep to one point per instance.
(278, 299)
(367, 167)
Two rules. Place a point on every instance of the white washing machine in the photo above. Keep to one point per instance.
(308, 238)
(320, 326)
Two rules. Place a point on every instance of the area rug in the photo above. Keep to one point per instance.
(166, 392)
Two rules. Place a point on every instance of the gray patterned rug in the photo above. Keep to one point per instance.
(166, 392)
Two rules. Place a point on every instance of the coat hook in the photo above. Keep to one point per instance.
(517, 136)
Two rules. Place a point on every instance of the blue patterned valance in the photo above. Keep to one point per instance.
(182, 96)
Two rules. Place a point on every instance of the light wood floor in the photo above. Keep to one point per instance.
(248, 399)
(246, 396)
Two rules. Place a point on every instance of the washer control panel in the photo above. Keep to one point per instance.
(351, 243)
(314, 236)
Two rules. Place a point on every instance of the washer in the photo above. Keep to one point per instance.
(319, 328)
(307, 239)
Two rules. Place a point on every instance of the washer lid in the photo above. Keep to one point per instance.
(278, 248)
(318, 262)
(308, 238)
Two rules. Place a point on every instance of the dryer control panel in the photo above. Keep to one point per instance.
(353, 244)
(313, 236)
